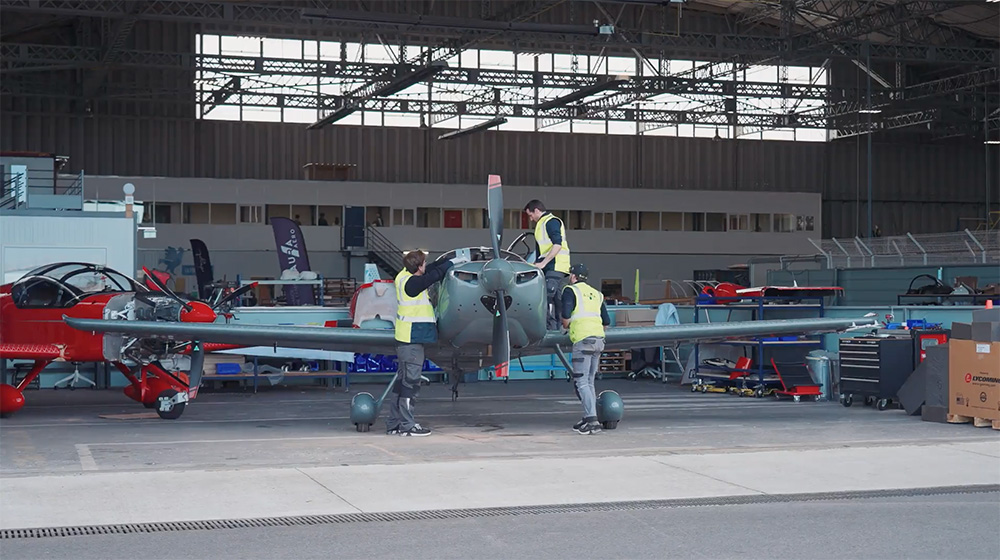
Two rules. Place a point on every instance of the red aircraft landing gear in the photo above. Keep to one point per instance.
(11, 397)
(157, 388)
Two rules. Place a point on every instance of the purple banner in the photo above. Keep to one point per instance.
(202, 268)
(292, 255)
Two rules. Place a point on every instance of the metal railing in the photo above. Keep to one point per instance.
(380, 247)
(961, 247)
(13, 191)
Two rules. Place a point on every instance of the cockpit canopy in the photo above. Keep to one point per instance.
(478, 254)
(65, 284)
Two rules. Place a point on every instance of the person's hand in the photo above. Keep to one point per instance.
(459, 260)
(539, 265)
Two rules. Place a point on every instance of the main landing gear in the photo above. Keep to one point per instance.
(158, 389)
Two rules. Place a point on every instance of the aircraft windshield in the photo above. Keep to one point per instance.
(87, 278)
(483, 254)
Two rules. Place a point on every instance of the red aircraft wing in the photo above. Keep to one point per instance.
(14, 351)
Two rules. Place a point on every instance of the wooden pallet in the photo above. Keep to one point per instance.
(976, 421)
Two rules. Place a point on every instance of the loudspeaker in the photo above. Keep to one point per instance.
(913, 393)
(936, 376)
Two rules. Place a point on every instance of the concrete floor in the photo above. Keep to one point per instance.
(94, 457)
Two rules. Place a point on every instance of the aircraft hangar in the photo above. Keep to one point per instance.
(787, 211)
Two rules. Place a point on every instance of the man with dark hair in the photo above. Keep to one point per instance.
(553, 256)
(585, 314)
(416, 325)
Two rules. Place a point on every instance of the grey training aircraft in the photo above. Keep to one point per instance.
(474, 331)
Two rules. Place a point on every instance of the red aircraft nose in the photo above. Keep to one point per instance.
(200, 313)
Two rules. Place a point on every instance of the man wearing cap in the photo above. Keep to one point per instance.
(585, 314)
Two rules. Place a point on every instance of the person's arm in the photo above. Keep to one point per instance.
(554, 228)
(434, 272)
(568, 305)
(605, 317)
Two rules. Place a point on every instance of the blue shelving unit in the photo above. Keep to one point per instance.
(758, 306)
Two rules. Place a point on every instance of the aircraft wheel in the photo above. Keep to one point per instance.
(610, 408)
(610, 425)
(363, 427)
(363, 411)
(175, 412)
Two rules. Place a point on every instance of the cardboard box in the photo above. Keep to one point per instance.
(635, 318)
(974, 379)
(961, 331)
(986, 315)
(986, 332)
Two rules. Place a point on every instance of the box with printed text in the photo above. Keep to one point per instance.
(974, 379)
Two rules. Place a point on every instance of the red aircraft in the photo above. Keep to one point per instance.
(32, 328)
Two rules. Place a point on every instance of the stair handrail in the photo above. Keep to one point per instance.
(381, 246)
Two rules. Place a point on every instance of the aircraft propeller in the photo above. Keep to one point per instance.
(497, 276)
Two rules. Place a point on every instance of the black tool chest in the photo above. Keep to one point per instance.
(874, 368)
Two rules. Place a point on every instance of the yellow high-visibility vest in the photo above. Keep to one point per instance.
(545, 243)
(410, 310)
(586, 318)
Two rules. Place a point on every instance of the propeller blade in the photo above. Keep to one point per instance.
(197, 369)
(163, 288)
(235, 295)
(501, 337)
(495, 196)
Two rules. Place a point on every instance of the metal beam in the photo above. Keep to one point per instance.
(232, 17)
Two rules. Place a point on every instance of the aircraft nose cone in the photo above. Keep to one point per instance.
(200, 313)
(497, 274)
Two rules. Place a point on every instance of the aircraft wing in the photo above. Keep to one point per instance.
(322, 338)
(10, 351)
(640, 337)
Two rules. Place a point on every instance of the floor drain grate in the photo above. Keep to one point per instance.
(177, 526)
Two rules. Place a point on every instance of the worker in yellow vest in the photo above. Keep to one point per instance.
(585, 314)
(553, 256)
(416, 325)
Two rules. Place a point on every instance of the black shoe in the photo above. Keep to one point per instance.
(578, 425)
(392, 431)
(415, 431)
(590, 428)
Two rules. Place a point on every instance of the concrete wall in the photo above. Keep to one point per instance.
(248, 249)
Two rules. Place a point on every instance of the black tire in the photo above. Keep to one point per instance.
(363, 427)
(175, 412)
(882, 404)
(759, 392)
(610, 425)
(847, 400)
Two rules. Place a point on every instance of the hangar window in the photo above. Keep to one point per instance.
(579, 219)
(760, 222)
(784, 223)
(278, 211)
(649, 221)
(251, 214)
(331, 215)
(739, 222)
(477, 218)
(715, 221)
(672, 221)
(377, 216)
(694, 221)
(196, 213)
(166, 212)
(246, 78)
(303, 215)
(429, 217)
(516, 219)
(402, 217)
(223, 213)
(626, 221)
(604, 220)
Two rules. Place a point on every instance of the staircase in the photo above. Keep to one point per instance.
(383, 252)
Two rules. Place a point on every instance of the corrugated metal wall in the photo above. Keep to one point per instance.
(917, 188)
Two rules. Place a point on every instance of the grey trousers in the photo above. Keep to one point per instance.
(406, 386)
(554, 284)
(586, 358)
